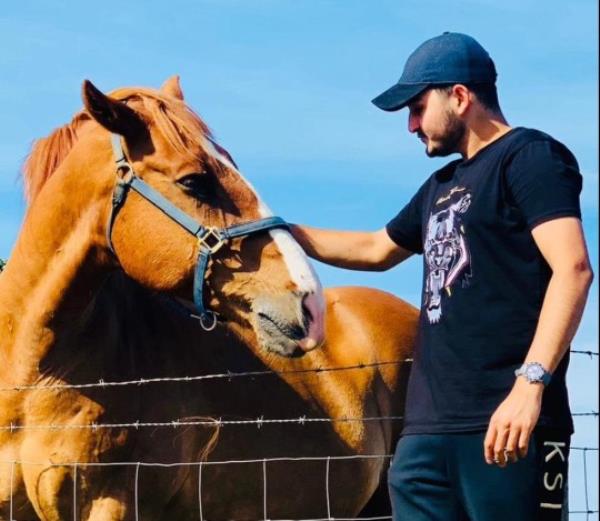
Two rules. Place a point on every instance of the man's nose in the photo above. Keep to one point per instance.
(413, 123)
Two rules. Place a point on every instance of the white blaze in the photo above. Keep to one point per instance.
(300, 270)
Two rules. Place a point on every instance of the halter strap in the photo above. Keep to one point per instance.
(210, 239)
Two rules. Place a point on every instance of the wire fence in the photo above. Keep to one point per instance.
(587, 510)
(201, 465)
(227, 375)
(216, 422)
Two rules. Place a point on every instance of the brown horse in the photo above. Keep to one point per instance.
(71, 312)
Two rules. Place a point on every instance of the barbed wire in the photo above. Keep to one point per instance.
(229, 375)
(589, 353)
(217, 422)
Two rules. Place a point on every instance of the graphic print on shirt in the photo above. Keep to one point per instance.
(446, 250)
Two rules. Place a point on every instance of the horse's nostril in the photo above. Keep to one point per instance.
(274, 323)
(311, 308)
(307, 315)
(312, 316)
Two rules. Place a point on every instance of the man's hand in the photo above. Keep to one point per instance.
(511, 425)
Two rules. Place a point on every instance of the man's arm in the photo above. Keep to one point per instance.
(562, 244)
(368, 251)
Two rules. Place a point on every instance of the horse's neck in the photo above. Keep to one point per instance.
(51, 276)
(334, 394)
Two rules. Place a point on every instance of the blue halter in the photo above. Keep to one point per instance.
(210, 239)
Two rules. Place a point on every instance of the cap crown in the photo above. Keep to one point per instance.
(449, 58)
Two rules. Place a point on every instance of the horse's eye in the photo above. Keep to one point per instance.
(198, 185)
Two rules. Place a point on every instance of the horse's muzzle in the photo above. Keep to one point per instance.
(290, 325)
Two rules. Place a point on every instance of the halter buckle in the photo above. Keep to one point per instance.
(211, 240)
(125, 172)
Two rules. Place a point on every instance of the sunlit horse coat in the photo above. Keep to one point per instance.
(73, 313)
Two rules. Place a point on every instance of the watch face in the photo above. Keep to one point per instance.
(534, 372)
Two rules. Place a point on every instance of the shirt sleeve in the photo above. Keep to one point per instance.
(406, 228)
(544, 182)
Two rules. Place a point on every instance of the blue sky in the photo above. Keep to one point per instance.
(286, 84)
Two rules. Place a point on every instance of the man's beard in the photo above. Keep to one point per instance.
(450, 139)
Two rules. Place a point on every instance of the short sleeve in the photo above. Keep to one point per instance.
(544, 182)
(406, 228)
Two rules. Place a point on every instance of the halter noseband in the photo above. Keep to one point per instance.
(210, 239)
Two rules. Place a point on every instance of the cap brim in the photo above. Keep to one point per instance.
(398, 96)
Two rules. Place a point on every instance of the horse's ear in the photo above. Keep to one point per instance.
(112, 114)
(172, 88)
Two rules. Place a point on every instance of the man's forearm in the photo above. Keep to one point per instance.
(355, 250)
(560, 316)
(347, 249)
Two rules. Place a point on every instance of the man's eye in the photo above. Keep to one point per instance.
(197, 185)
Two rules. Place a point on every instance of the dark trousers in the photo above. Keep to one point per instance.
(444, 477)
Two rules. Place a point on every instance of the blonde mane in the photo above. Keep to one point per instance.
(179, 125)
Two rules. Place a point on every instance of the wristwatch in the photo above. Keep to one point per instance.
(534, 373)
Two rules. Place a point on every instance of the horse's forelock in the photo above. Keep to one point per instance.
(182, 128)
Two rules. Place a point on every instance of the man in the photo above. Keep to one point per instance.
(506, 276)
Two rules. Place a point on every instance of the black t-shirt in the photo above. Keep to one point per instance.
(484, 279)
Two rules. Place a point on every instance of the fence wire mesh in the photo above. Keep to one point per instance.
(588, 509)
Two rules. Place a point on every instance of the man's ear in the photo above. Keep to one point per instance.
(112, 114)
(461, 98)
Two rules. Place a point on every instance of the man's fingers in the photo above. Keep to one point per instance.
(488, 444)
(524, 442)
(512, 445)
(500, 445)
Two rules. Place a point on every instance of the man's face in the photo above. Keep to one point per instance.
(432, 119)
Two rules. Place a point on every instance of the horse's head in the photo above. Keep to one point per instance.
(260, 280)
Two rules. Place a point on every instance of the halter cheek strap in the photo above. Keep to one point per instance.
(210, 239)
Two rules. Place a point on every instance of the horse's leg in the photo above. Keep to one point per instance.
(57, 497)
(47, 487)
(10, 479)
(114, 496)
(59, 483)
(110, 494)
(108, 508)
(59, 490)
(13, 495)
(13, 498)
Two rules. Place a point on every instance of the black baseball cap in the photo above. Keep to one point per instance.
(446, 59)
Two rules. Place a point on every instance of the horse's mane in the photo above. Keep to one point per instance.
(172, 117)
